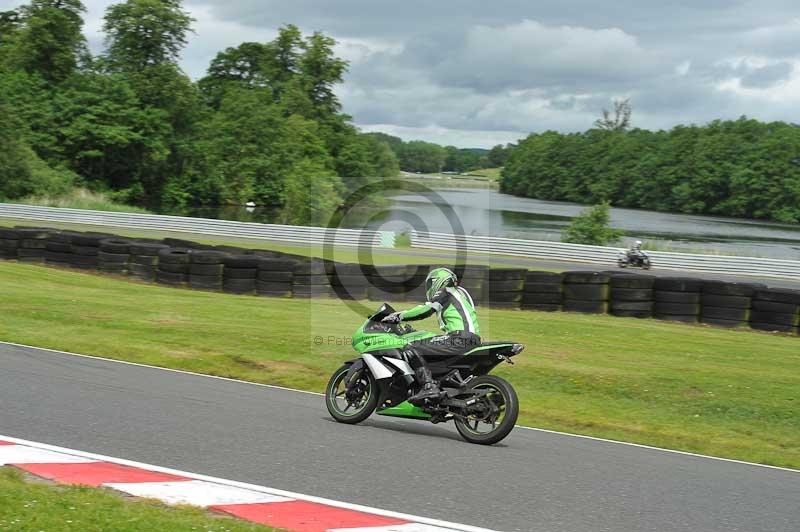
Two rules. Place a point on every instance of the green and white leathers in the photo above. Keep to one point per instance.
(452, 304)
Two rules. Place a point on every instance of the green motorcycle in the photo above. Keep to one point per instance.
(484, 407)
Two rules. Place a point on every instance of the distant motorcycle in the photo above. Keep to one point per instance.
(636, 260)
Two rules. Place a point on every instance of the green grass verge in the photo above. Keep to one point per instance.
(81, 198)
(695, 388)
(37, 506)
(453, 181)
(490, 173)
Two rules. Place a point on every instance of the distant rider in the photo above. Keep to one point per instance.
(636, 250)
(457, 318)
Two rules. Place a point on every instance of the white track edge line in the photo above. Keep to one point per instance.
(536, 429)
(186, 372)
(251, 487)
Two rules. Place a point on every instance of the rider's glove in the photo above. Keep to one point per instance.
(394, 317)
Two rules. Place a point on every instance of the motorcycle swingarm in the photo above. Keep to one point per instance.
(452, 393)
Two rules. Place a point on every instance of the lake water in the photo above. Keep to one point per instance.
(488, 212)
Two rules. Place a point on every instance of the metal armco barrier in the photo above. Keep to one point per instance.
(758, 267)
(205, 226)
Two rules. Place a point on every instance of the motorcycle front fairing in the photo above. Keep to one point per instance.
(374, 336)
(381, 346)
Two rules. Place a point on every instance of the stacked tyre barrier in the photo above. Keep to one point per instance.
(775, 310)
(586, 292)
(240, 273)
(544, 291)
(173, 266)
(275, 277)
(631, 296)
(144, 258)
(182, 263)
(727, 304)
(472, 278)
(9, 243)
(387, 283)
(32, 244)
(348, 281)
(205, 269)
(309, 279)
(58, 250)
(85, 249)
(415, 284)
(677, 299)
(503, 287)
(114, 256)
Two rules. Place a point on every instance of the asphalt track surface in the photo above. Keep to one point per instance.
(533, 481)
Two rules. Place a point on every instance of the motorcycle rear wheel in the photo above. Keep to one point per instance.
(340, 408)
(488, 431)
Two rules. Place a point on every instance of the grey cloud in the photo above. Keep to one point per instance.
(412, 17)
(529, 54)
(780, 40)
(767, 76)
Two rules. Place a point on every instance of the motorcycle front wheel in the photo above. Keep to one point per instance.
(498, 416)
(359, 405)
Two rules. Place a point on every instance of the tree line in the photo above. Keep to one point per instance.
(741, 168)
(263, 125)
(427, 157)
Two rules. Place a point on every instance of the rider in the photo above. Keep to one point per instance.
(636, 249)
(457, 318)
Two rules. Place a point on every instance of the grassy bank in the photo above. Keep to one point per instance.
(80, 198)
(695, 388)
(449, 181)
(37, 506)
(489, 173)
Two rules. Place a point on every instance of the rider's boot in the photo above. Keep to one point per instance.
(429, 392)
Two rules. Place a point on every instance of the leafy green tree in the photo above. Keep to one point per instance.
(289, 46)
(9, 24)
(497, 155)
(145, 33)
(460, 160)
(311, 193)
(48, 39)
(251, 64)
(394, 143)
(14, 156)
(592, 227)
(383, 159)
(32, 100)
(144, 41)
(735, 168)
(239, 159)
(102, 127)
(22, 172)
(264, 122)
(420, 156)
(363, 159)
(321, 71)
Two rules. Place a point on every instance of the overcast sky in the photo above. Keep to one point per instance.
(475, 73)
